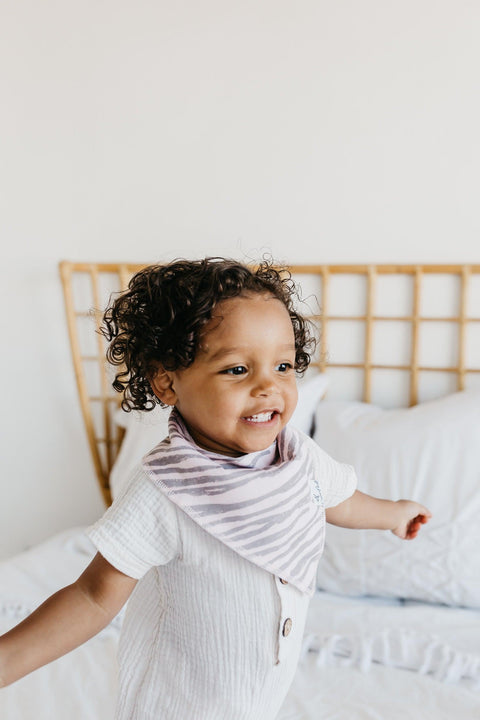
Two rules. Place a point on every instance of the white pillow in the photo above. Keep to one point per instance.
(25, 581)
(311, 389)
(144, 430)
(429, 453)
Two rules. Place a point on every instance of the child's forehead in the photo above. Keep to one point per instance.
(253, 318)
(261, 305)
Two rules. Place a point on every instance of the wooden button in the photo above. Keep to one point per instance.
(287, 626)
(284, 582)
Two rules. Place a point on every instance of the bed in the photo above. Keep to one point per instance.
(394, 628)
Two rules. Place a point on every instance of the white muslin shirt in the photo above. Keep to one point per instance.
(207, 635)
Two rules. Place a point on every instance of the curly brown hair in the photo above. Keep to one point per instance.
(160, 318)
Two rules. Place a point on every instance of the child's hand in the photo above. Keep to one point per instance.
(411, 518)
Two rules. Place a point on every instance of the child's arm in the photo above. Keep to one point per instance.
(67, 619)
(403, 517)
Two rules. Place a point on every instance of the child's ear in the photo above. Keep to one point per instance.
(161, 382)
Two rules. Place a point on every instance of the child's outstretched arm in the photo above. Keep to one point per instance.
(64, 621)
(403, 517)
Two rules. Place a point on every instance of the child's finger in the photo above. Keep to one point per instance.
(414, 527)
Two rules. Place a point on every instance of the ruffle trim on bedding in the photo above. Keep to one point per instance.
(404, 649)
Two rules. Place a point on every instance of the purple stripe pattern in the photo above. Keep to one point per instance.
(261, 505)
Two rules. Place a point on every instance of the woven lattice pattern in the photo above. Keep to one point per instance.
(391, 334)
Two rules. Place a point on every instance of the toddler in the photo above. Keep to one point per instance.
(217, 538)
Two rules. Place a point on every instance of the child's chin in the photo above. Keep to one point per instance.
(257, 446)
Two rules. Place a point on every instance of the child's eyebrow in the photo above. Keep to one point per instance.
(223, 352)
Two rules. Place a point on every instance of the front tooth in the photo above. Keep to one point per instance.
(261, 417)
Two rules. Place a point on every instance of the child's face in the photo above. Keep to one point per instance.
(241, 389)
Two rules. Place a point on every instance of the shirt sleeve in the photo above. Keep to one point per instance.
(139, 530)
(338, 481)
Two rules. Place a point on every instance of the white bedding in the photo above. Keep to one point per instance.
(339, 677)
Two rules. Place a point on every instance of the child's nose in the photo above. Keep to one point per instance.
(264, 385)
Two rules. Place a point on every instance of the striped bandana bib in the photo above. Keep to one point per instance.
(266, 506)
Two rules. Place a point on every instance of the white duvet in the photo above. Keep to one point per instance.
(363, 659)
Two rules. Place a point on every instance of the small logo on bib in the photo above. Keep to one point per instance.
(316, 493)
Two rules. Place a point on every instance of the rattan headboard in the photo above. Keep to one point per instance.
(352, 306)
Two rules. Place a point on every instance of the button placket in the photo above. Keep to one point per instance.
(285, 620)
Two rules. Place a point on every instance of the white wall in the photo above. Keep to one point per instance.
(324, 131)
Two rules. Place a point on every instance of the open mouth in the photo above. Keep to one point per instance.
(262, 417)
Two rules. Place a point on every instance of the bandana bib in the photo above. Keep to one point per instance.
(267, 506)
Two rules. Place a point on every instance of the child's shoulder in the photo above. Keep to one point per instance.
(309, 445)
(142, 491)
(322, 461)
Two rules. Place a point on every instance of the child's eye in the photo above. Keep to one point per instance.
(284, 367)
(237, 370)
